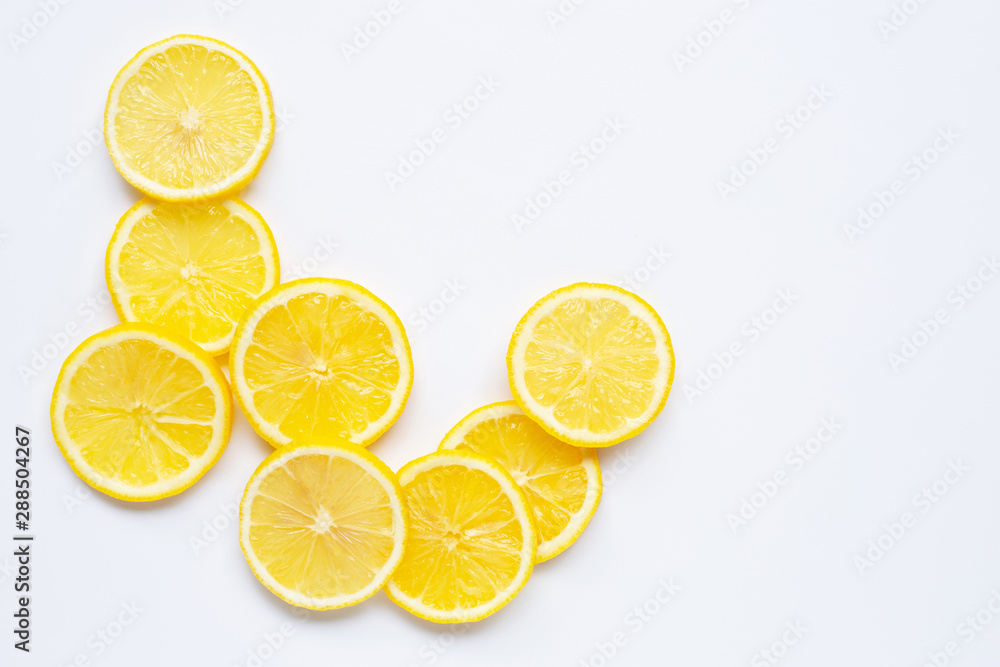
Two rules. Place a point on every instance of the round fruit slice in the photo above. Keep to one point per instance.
(192, 269)
(322, 523)
(320, 357)
(592, 364)
(472, 538)
(562, 482)
(188, 118)
(139, 414)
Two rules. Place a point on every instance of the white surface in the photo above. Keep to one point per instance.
(665, 515)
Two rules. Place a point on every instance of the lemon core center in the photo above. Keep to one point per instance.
(190, 121)
(323, 522)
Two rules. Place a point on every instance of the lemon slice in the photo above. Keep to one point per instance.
(192, 269)
(562, 482)
(319, 357)
(188, 118)
(472, 538)
(322, 524)
(592, 364)
(140, 415)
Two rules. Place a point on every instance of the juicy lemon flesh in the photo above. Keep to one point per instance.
(321, 364)
(139, 413)
(465, 539)
(592, 363)
(549, 471)
(322, 526)
(193, 270)
(189, 116)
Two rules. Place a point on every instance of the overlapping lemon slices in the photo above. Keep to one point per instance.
(472, 538)
(562, 482)
(192, 269)
(321, 368)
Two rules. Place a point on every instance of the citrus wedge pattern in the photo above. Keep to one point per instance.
(562, 482)
(188, 118)
(140, 415)
(192, 269)
(322, 524)
(591, 363)
(472, 538)
(319, 357)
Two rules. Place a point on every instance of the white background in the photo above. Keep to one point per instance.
(665, 515)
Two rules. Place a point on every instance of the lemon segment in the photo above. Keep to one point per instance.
(322, 523)
(319, 357)
(472, 539)
(562, 482)
(188, 118)
(192, 269)
(140, 415)
(591, 363)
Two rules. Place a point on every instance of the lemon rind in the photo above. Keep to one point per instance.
(330, 287)
(214, 379)
(368, 462)
(542, 415)
(547, 549)
(529, 533)
(120, 292)
(235, 181)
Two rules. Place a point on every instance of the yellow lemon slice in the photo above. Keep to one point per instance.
(319, 357)
(472, 538)
(189, 118)
(591, 363)
(139, 414)
(322, 524)
(192, 269)
(562, 482)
